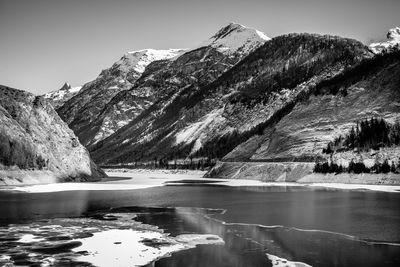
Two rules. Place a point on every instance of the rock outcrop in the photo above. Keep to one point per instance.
(36, 146)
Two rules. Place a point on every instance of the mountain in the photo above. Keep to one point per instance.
(162, 81)
(393, 41)
(59, 97)
(91, 99)
(370, 89)
(328, 117)
(210, 117)
(36, 145)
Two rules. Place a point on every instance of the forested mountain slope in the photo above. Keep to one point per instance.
(370, 89)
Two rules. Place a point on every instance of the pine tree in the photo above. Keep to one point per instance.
(385, 166)
(393, 168)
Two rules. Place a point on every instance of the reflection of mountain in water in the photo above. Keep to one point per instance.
(245, 244)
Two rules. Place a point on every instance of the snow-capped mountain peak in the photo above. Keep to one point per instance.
(60, 96)
(394, 34)
(138, 60)
(235, 38)
(393, 37)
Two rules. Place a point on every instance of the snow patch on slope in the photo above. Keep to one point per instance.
(138, 60)
(197, 130)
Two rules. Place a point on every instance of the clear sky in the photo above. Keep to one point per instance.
(44, 43)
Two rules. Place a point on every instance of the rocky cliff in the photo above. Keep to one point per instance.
(36, 146)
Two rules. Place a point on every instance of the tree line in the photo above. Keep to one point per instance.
(357, 167)
(162, 163)
(368, 134)
(372, 133)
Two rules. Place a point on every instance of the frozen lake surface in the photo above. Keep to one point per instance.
(199, 222)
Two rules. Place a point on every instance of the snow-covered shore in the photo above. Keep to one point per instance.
(124, 179)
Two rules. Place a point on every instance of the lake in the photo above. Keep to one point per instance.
(260, 225)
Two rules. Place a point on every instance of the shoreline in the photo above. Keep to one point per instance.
(144, 179)
(297, 172)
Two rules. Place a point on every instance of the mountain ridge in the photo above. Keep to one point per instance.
(161, 79)
(231, 101)
(188, 99)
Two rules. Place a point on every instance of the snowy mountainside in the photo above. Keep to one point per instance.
(81, 109)
(162, 81)
(138, 60)
(393, 41)
(210, 119)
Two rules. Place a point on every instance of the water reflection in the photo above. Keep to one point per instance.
(246, 245)
(367, 215)
(16, 207)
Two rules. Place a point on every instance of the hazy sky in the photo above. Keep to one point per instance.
(44, 43)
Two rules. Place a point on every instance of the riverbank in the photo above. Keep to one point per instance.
(142, 179)
(295, 172)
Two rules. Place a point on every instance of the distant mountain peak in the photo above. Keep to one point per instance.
(394, 34)
(60, 96)
(66, 86)
(235, 37)
(393, 37)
